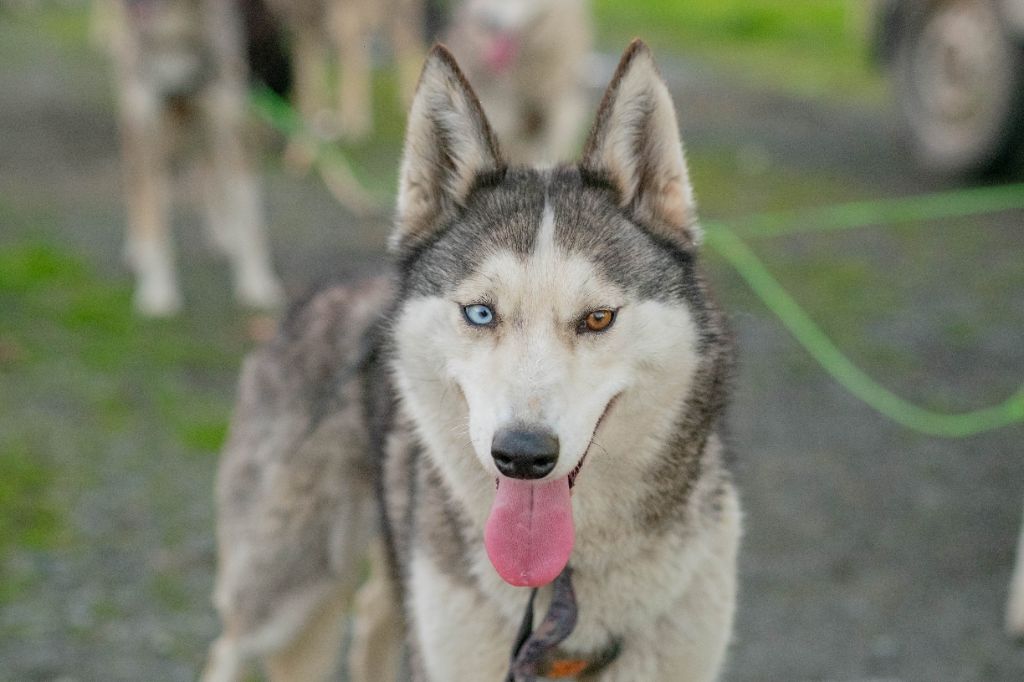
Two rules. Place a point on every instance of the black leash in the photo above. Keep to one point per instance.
(532, 646)
(525, 629)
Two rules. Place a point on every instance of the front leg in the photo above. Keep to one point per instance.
(147, 187)
(687, 644)
(377, 636)
(457, 634)
(235, 189)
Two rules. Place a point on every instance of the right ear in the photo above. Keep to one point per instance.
(448, 143)
(635, 145)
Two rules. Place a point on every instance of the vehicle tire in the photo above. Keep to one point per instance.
(959, 85)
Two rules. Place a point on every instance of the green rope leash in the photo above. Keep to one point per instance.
(276, 111)
(821, 348)
(953, 204)
(332, 164)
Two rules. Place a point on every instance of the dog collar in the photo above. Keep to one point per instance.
(561, 665)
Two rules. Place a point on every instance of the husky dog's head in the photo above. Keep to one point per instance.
(547, 313)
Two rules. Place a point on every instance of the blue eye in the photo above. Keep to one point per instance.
(478, 314)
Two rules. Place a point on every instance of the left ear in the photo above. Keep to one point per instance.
(448, 144)
(635, 145)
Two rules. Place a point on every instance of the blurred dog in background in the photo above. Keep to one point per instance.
(527, 61)
(181, 82)
(335, 37)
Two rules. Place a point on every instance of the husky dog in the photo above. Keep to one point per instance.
(527, 61)
(181, 84)
(1015, 605)
(542, 383)
(340, 32)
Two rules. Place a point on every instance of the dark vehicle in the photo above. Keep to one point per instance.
(957, 68)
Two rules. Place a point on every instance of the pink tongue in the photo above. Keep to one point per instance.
(501, 52)
(529, 534)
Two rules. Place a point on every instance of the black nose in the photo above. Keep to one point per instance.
(525, 452)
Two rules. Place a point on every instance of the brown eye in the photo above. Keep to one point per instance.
(597, 321)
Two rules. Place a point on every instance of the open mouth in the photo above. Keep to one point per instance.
(600, 420)
(529, 534)
(576, 469)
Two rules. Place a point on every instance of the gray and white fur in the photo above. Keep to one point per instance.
(387, 391)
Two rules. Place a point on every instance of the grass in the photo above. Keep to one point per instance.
(726, 190)
(811, 47)
(80, 372)
(56, 295)
(28, 517)
(60, 313)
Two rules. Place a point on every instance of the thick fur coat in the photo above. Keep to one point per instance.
(568, 301)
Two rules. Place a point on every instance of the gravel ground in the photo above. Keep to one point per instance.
(871, 552)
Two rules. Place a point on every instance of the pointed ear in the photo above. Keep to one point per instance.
(635, 145)
(448, 144)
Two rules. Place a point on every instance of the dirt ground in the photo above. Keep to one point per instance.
(870, 552)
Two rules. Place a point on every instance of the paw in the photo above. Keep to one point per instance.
(157, 299)
(262, 291)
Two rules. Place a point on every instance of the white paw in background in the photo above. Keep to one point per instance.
(156, 286)
(157, 296)
(259, 289)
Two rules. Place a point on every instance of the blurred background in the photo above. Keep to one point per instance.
(871, 551)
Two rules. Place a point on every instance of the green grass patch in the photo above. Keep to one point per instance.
(205, 436)
(28, 517)
(68, 24)
(170, 592)
(31, 266)
(79, 370)
(813, 47)
(726, 190)
(60, 308)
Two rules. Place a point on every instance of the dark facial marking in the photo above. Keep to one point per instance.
(500, 215)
